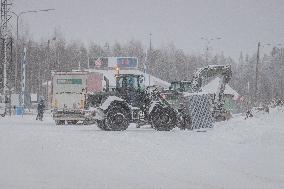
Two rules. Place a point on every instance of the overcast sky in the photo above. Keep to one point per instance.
(240, 23)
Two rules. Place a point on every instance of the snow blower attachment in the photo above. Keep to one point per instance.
(218, 100)
(199, 109)
(194, 110)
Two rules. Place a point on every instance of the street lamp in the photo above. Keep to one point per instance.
(209, 40)
(257, 64)
(25, 12)
(17, 34)
(48, 74)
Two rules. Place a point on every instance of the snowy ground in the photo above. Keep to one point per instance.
(234, 154)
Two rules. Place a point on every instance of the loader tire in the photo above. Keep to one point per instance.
(101, 124)
(60, 122)
(72, 122)
(163, 118)
(117, 119)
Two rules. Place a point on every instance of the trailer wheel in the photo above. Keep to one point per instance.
(60, 122)
(72, 122)
(117, 119)
(163, 118)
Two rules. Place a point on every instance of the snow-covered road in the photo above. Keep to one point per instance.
(234, 154)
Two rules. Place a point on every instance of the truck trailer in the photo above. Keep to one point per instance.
(69, 91)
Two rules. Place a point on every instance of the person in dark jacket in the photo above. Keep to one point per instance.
(248, 114)
(40, 109)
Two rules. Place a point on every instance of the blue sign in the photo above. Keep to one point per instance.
(127, 62)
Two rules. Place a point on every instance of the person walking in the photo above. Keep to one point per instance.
(40, 110)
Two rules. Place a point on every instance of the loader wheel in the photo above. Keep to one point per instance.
(72, 122)
(101, 124)
(163, 119)
(60, 122)
(117, 119)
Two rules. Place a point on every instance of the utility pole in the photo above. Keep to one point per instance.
(5, 17)
(256, 72)
(249, 99)
(150, 52)
(150, 42)
(16, 57)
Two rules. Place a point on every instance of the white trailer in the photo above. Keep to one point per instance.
(69, 91)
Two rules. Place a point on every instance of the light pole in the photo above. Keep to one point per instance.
(49, 74)
(149, 59)
(208, 41)
(18, 15)
(257, 65)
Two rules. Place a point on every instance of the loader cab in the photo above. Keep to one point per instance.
(129, 82)
(130, 87)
